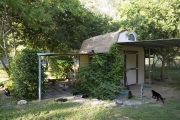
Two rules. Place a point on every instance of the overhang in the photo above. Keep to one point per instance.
(154, 43)
(63, 54)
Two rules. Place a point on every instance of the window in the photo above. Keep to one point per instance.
(131, 37)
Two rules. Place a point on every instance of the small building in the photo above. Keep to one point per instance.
(133, 56)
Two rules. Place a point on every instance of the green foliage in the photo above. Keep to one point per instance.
(53, 25)
(101, 79)
(24, 74)
(60, 66)
(152, 19)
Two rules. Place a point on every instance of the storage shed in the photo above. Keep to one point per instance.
(133, 56)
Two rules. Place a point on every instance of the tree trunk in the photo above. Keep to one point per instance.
(162, 70)
(175, 64)
(11, 28)
(14, 42)
(5, 67)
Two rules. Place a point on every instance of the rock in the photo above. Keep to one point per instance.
(112, 104)
(22, 102)
(118, 102)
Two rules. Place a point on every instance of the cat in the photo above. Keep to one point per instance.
(85, 96)
(7, 92)
(157, 96)
(130, 94)
(61, 100)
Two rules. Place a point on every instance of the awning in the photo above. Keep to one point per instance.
(63, 54)
(154, 43)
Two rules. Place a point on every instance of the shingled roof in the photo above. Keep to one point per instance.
(100, 44)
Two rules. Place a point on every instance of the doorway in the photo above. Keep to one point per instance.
(131, 65)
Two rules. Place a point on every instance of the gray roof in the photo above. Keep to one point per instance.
(174, 42)
(100, 44)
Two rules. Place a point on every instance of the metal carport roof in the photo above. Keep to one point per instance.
(63, 54)
(154, 43)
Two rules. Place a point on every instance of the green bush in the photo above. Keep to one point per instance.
(24, 74)
(101, 79)
(60, 66)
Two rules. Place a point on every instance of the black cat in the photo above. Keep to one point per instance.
(157, 96)
(130, 94)
(7, 92)
(61, 100)
(84, 96)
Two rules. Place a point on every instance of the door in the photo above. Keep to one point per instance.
(131, 64)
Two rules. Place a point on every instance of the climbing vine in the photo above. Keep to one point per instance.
(101, 79)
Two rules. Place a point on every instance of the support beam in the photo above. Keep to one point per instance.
(149, 67)
(39, 59)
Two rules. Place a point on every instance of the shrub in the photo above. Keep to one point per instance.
(101, 79)
(24, 74)
(60, 66)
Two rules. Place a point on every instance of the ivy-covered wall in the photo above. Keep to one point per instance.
(101, 79)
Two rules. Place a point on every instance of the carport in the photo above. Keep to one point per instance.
(150, 44)
(51, 54)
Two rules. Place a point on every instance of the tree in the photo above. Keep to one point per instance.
(6, 29)
(153, 20)
(13, 15)
(74, 23)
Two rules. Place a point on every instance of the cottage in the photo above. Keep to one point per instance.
(133, 56)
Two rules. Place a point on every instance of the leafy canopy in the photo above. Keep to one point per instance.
(152, 19)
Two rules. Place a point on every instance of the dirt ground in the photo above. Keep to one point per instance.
(55, 91)
(166, 92)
